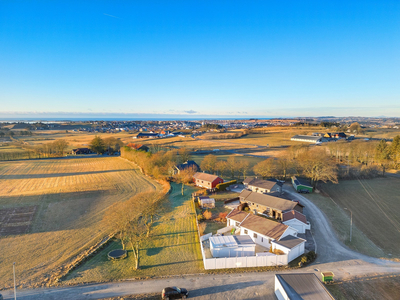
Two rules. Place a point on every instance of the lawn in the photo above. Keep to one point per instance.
(172, 249)
(70, 197)
(375, 204)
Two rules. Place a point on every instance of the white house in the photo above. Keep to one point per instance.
(296, 220)
(232, 246)
(291, 245)
(261, 230)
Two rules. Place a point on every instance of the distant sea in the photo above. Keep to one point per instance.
(34, 120)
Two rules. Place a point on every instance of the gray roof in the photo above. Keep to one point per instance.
(260, 183)
(290, 241)
(307, 137)
(267, 200)
(243, 240)
(303, 286)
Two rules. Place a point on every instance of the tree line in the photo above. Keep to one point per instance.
(109, 145)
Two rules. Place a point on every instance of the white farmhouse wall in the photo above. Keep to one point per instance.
(289, 231)
(298, 225)
(292, 253)
(260, 239)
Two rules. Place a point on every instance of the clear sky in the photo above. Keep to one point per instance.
(199, 58)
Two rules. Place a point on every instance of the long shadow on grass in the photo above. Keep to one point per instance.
(224, 288)
(169, 264)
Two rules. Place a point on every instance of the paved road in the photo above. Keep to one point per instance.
(332, 256)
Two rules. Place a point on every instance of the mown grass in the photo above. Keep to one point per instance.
(71, 195)
(173, 247)
(375, 204)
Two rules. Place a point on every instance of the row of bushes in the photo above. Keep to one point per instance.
(223, 186)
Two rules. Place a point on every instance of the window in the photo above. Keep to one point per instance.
(257, 205)
(237, 224)
(245, 231)
(255, 235)
(262, 240)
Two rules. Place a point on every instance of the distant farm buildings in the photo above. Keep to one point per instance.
(79, 151)
(307, 139)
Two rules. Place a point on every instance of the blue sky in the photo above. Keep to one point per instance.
(199, 58)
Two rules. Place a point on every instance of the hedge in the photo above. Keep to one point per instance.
(223, 186)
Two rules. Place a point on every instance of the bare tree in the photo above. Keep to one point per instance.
(185, 176)
(221, 166)
(265, 168)
(243, 167)
(232, 165)
(209, 163)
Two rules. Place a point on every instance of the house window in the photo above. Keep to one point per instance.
(262, 240)
(245, 231)
(237, 224)
(257, 205)
(255, 235)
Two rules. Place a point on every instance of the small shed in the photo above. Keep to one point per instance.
(291, 245)
(327, 276)
(232, 246)
(206, 202)
(301, 185)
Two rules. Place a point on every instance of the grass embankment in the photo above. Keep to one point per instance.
(374, 203)
(172, 249)
(71, 196)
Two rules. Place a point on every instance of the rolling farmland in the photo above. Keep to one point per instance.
(59, 203)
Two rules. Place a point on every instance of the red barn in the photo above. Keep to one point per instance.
(207, 181)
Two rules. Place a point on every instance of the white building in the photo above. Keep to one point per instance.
(232, 246)
(296, 220)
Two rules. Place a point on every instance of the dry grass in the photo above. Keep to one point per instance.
(387, 287)
(71, 196)
(172, 249)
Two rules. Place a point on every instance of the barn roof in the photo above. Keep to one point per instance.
(205, 176)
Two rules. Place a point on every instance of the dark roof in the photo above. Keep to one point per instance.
(267, 200)
(188, 164)
(205, 176)
(303, 286)
(237, 215)
(260, 183)
(290, 241)
(147, 134)
(294, 214)
(301, 181)
(307, 137)
(264, 226)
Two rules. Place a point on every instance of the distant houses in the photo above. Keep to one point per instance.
(318, 138)
(207, 181)
(145, 135)
(79, 151)
(138, 147)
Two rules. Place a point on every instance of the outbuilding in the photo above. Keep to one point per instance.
(206, 202)
(232, 246)
(301, 185)
(300, 286)
(207, 181)
(293, 246)
(296, 220)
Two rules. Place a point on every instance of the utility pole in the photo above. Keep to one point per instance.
(15, 288)
(351, 221)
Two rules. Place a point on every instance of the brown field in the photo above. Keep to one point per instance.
(70, 196)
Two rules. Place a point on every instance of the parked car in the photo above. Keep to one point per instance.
(174, 293)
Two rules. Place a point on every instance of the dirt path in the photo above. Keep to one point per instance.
(332, 256)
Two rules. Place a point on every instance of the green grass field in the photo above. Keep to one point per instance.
(172, 249)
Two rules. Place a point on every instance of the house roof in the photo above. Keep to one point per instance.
(290, 241)
(267, 200)
(188, 164)
(264, 226)
(237, 215)
(260, 183)
(301, 181)
(304, 286)
(294, 214)
(231, 240)
(205, 176)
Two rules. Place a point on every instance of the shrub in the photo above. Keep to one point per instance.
(311, 256)
(246, 208)
(223, 186)
(222, 216)
(200, 217)
(207, 215)
(202, 227)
